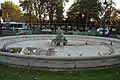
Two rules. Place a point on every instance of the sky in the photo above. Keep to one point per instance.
(117, 2)
(67, 5)
(15, 1)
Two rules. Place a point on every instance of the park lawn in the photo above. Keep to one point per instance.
(10, 73)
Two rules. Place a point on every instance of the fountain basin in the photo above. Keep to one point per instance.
(98, 52)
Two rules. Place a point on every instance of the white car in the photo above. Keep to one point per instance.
(23, 31)
(100, 31)
(46, 30)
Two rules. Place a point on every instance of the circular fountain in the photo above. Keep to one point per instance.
(60, 52)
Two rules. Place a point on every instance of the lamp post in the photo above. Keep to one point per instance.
(0, 21)
(106, 4)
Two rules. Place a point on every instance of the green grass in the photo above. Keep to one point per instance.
(10, 73)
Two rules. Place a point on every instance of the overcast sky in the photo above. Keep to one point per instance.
(15, 1)
(68, 4)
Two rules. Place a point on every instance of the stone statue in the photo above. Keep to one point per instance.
(59, 31)
(59, 38)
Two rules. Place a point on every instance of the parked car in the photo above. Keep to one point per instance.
(77, 32)
(46, 30)
(101, 30)
(8, 32)
(113, 33)
(22, 31)
(93, 30)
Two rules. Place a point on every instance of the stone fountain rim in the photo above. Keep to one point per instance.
(56, 57)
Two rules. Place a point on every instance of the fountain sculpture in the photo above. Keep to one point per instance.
(60, 38)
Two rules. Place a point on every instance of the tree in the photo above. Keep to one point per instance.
(42, 9)
(11, 11)
(109, 11)
(83, 11)
(28, 10)
(115, 17)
